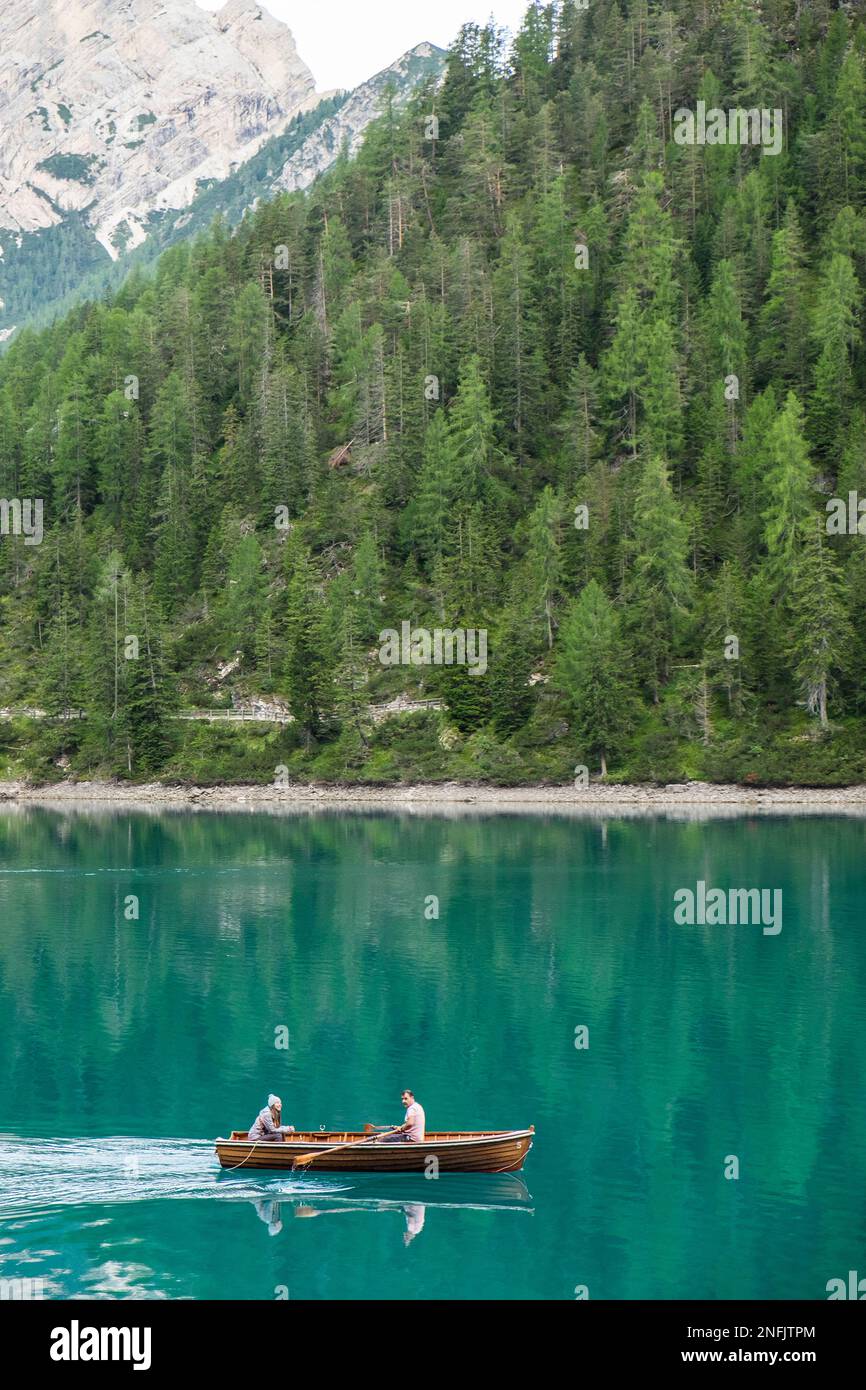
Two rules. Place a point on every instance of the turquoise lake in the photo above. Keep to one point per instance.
(127, 1043)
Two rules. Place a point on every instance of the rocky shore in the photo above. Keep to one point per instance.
(688, 798)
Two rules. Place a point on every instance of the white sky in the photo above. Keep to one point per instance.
(344, 42)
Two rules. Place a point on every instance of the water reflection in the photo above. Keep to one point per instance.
(685, 803)
(270, 1212)
(402, 1193)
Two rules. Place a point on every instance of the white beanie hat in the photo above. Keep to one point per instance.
(275, 1101)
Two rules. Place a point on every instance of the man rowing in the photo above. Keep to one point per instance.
(411, 1131)
(267, 1128)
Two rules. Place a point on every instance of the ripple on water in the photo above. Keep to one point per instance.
(37, 1175)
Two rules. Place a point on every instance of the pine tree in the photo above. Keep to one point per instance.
(727, 347)
(752, 471)
(791, 484)
(623, 367)
(287, 443)
(836, 331)
(471, 436)
(544, 563)
(844, 149)
(511, 660)
(367, 582)
(730, 635)
(169, 456)
(658, 586)
(308, 663)
(591, 670)
(61, 681)
(241, 604)
(118, 448)
(468, 697)
(145, 698)
(428, 518)
(822, 636)
(518, 359)
(659, 390)
(784, 320)
(350, 663)
(579, 425)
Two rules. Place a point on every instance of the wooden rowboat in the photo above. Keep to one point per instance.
(458, 1151)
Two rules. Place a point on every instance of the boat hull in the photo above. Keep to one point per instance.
(499, 1151)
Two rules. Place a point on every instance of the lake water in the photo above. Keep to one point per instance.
(127, 1044)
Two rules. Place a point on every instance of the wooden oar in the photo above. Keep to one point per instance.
(303, 1160)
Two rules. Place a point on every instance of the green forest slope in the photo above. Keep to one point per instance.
(599, 386)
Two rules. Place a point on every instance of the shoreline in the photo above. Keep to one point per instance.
(449, 797)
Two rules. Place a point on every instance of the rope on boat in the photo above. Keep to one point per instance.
(256, 1142)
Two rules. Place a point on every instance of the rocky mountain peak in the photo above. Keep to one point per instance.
(128, 124)
(345, 129)
(115, 109)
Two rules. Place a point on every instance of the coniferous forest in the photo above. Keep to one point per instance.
(527, 365)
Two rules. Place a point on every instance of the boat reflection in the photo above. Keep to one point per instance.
(404, 1193)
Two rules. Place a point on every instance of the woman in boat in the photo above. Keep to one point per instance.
(266, 1129)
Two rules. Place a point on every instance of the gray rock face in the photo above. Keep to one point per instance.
(346, 128)
(127, 123)
(118, 108)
